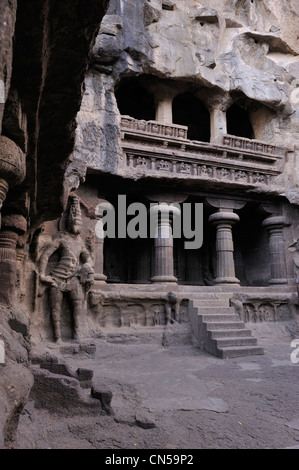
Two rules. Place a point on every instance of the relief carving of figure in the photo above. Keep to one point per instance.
(172, 307)
(73, 272)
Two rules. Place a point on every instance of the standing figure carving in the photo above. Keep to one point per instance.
(72, 273)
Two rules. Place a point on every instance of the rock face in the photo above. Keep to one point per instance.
(16, 379)
(44, 51)
(216, 49)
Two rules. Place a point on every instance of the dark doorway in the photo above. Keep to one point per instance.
(134, 100)
(190, 111)
(238, 122)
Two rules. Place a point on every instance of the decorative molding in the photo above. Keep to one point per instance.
(154, 149)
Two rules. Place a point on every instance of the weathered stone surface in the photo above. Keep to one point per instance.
(12, 161)
(102, 393)
(235, 48)
(195, 100)
(15, 378)
(144, 422)
(8, 15)
(85, 377)
(30, 113)
(61, 394)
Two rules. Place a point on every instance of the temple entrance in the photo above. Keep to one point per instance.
(128, 260)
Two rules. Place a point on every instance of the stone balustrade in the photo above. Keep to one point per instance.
(154, 128)
(159, 150)
(255, 146)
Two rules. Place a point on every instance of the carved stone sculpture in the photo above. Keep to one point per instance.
(172, 307)
(73, 273)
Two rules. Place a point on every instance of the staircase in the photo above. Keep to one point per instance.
(218, 328)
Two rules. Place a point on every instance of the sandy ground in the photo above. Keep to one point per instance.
(167, 394)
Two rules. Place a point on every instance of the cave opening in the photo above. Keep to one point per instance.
(188, 110)
(238, 122)
(135, 100)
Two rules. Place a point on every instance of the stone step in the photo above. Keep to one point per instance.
(210, 303)
(229, 333)
(211, 296)
(216, 311)
(227, 325)
(218, 317)
(239, 351)
(235, 341)
(222, 332)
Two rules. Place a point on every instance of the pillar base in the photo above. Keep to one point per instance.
(164, 279)
(227, 280)
(278, 281)
(100, 277)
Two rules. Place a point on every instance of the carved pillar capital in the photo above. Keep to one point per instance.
(12, 166)
(226, 205)
(275, 222)
(224, 218)
(219, 101)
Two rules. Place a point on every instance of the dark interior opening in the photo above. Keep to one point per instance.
(238, 122)
(134, 100)
(251, 248)
(191, 111)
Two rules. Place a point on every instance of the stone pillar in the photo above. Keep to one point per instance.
(218, 105)
(225, 247)
(12, 227)
(12, 166)
(224, 219)
(163, 248)
(218, 124)
(163, 102)
(99, 251)
(164, 110)
(275, 225)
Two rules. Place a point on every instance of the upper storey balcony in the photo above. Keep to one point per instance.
(195, 135)
(155, 149)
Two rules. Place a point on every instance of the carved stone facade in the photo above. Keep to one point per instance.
(192, 126)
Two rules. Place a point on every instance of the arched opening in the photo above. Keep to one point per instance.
(134, 100)
(238, 122)
(191, 111)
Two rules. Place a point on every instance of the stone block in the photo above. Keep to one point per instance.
(102, 393)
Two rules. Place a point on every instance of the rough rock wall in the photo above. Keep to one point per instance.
(45, 47)
(242, 47)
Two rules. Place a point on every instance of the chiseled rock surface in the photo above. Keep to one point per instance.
(16, 379)
(233, 46)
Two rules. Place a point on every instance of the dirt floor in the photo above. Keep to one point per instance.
(167, 394)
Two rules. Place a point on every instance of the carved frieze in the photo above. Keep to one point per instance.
(267, 308)
(155, 149)
(195, 169)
